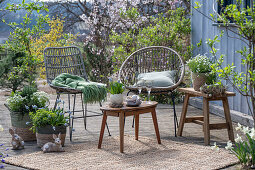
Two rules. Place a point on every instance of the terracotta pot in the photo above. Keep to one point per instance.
(116, 99)
(198, 80)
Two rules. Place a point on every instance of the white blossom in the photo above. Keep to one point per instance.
(238, 139)
(215, 147)
(229, 145)
(239, 127)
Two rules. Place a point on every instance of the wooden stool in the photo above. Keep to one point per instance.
(129, 111)
(204, 120)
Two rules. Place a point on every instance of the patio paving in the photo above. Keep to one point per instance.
(192, 133)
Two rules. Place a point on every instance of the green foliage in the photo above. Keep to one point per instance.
(200, 64)
(22, 64)
(43, 117)
(172, 30)
(116, 88)
(244, 30)
(27, 100)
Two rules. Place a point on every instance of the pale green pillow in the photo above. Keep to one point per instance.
(159, 79)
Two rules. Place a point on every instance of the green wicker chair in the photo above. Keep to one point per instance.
(67, 60)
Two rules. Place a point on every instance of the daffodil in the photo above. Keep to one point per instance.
(1, 128)
(238, 139)
(215, 147)
(239, 127)
(246, 130)
(229, 145)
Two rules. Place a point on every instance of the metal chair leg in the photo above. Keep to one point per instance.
(100, 104)
(84, 112)
(55, 105)
(71, 127)
(175, 116)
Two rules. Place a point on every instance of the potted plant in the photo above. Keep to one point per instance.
(20, 104)
(116, 89)
(46, 122)
(200, 67)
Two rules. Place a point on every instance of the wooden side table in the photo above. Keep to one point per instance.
(129, 111)
(204, 120)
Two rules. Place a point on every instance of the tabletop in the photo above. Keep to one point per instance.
(198, 93)
(143, 105)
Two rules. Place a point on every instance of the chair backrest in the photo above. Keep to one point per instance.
(149, 59)
(63, 60)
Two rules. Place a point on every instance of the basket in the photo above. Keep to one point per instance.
(45, 134)
(198, 80)
(18, 121)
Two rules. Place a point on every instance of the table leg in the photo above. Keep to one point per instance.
(206, 121)
(183, 115)
(228, 119)
(102, 130)
(155, 122)
(121, 124)
(136, 126)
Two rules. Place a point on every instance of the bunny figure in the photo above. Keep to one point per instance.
(53, 147)
(17, 142)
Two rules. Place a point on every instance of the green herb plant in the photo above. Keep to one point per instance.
(116, 88)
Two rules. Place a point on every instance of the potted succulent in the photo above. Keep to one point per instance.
(20, 104)
(200, 67)
(116, 89)
(46, 122)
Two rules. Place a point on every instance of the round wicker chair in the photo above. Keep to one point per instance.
(149, 59)
(67, 60)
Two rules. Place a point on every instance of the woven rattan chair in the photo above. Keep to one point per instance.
(149, 59)
(67, 60)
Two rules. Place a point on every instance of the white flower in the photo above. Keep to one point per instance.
(239, 127)
(215, 147)
(1, 128)
(245, 130)
(252, 134)
(238, 139)
(229, 145)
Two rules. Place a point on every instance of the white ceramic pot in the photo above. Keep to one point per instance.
(116, 98)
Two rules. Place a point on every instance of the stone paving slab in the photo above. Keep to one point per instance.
(192, 133)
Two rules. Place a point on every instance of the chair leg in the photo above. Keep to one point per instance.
(100, 104)
(84, 112)
(175, 116)
(133, 116)
(71, 127)
(55, 105)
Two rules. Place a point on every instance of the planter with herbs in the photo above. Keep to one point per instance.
(46, 122)
(20, 104)
(200, 67)
(116, 90)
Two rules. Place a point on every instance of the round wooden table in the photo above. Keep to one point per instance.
(125, 111)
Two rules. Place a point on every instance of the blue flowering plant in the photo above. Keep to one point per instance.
(53, 117)
(27, 100)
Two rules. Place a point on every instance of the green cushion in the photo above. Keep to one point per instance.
(159, 79)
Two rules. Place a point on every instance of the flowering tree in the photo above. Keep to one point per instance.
(101, 17)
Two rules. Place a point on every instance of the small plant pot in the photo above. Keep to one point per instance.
(19, 124)
(116, 99)
(45, 134)
(198, 80)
